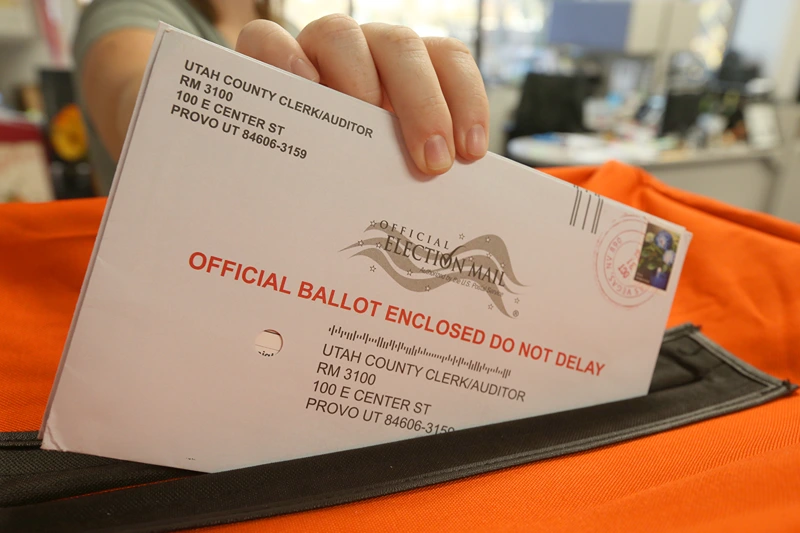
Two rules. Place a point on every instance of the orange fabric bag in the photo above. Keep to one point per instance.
(739, 472)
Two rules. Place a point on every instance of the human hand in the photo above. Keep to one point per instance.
(432, 84)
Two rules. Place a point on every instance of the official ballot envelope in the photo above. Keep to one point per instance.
(273, 280)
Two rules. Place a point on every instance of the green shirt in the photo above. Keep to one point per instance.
(104, 16)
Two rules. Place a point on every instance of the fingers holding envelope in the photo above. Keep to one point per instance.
(462, 86)
(433, 85)
(267, 41)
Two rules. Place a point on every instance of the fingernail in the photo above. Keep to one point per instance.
(476, 141)
(304, 70)
(437, 155)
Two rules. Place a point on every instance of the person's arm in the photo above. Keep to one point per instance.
(109, 80)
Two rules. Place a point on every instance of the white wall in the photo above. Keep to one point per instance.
(788, 73)
(768, 31)
(786, 201)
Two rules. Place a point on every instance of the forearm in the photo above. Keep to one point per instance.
(110, 79)
(125, 104)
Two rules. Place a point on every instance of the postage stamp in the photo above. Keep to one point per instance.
(659, 250)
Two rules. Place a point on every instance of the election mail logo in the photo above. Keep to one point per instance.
(421, 262)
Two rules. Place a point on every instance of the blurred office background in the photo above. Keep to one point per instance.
(703, 94)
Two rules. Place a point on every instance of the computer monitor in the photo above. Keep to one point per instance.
(680, 112)
(551, 103)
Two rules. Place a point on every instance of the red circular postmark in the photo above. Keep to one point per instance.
(617, 258)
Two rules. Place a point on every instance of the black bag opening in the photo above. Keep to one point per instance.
(695, 379)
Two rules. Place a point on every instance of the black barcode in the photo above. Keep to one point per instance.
(412, 350)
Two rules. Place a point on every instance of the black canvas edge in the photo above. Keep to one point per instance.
(19, 439)
(772, 389)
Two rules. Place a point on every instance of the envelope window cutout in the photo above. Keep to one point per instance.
(268, 343)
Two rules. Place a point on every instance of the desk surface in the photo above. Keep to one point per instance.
(577, 150)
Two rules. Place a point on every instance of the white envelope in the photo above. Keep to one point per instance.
(272, 281)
